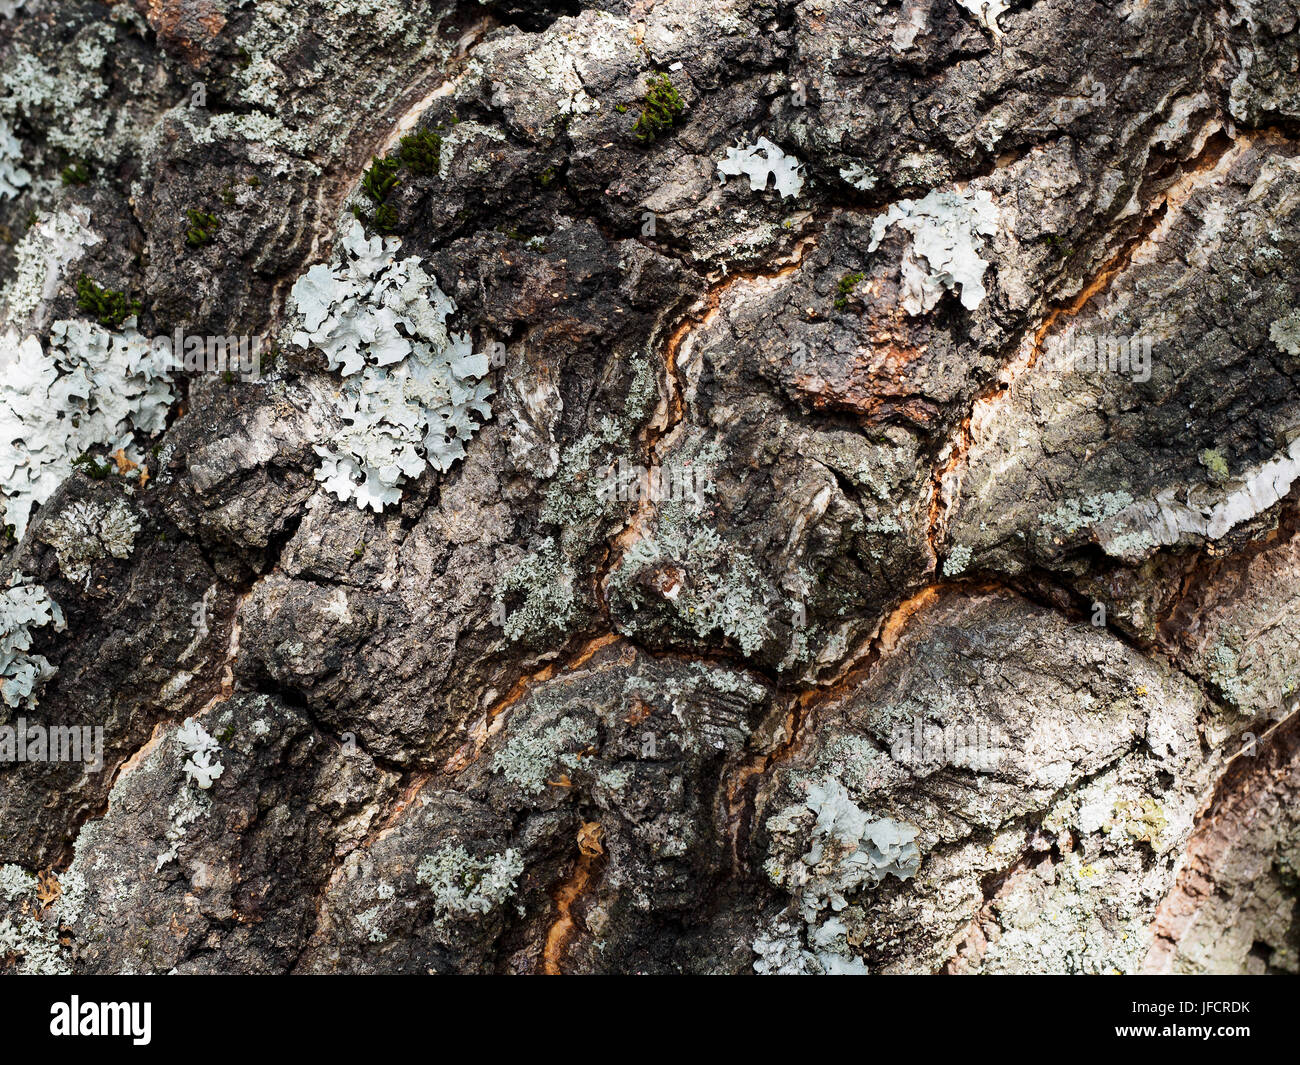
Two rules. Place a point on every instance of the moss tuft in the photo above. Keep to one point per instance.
(91, 468)
(659, 109)
(420, 152)
(110, 308)
(380, 179)
(75, 173)
(202, 228)
(844, 289)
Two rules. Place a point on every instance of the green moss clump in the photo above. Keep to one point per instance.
(377, 182)
(380, 179)
(384, 218)
(110, 308)
(660, 107)
(75, 173)
(546, 176)
(1057, 244)
(91, 468)
(202, 228)
(420, 152)
(844, 289)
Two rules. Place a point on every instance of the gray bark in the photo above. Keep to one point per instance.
(962, 659)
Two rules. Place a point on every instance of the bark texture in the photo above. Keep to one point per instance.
(930, 656)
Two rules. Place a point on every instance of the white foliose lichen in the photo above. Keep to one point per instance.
(780, 952)
(465, 886)
(36, 945)
(944, 227)
(201, 749)
(369, 923)
(859, 176)
(90, 388)
(413, 394)
(987, 11)
(42, 257)
(15, 881)
(188, 806)
(850, 850)
(13, 177)
(758, 162)
(23, 607)
(1177, 515)
(957, 561)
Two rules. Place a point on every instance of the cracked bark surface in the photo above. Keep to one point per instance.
(513, 724)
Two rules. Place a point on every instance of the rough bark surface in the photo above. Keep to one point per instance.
(515, 722)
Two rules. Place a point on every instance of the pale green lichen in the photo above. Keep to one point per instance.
(42, 257)
(269, 44)
(780, 952)
(14, 177)
(707, 583)
(1285, 333)
(1224, 669)
(15, 881)
(688, 700)
(574, 499)
(455, 141)
(1144, 820)
(85, 532)
(848, 851)
(578, 498)
(368, 922)
(35, 943)
(89, 388)
(63, 96)
(188, 806)
(1076, 514)
(1215, 462)
(729, 682)
(466, 887)
(33, 934)
(547, 583)
(536, 751)
(957, 561)
(1131, 546)
(723, 591)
